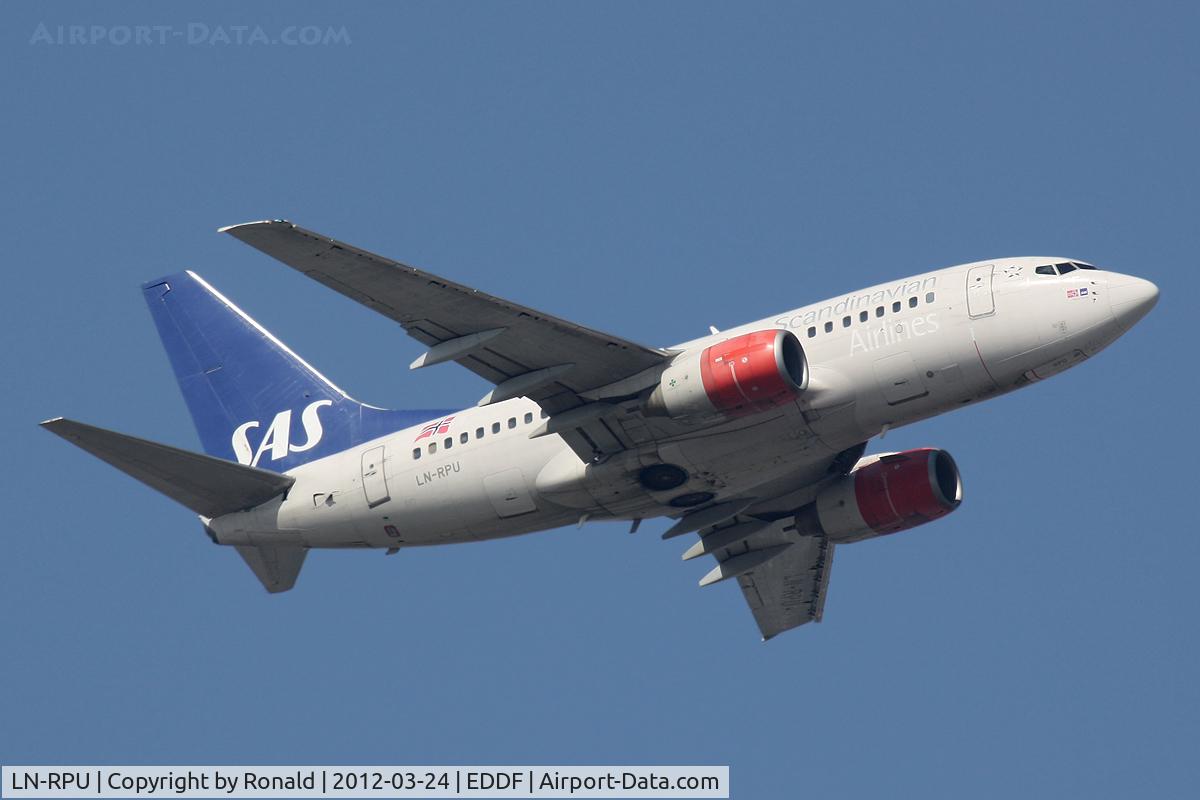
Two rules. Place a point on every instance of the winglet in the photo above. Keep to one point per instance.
(262, 223)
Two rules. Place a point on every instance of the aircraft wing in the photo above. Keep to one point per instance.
(525, 352)
(782, 573)
(789, 590)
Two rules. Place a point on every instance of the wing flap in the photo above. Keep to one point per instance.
(787, 584)
(789, 590)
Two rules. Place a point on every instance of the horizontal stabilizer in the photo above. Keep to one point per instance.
(209, 486)
(275, 565)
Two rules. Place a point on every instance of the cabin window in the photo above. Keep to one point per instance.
(432, 448)
(862, 316)
(528, 417)
(448, 442)
(495, 427)
(479, 433)
(929, 297)
(462, 437)
(845, 322)
(416, 453)
(512, 422)
(912, 302)
(896, 307)
(829, 327)
(879, 311)
(812, 331)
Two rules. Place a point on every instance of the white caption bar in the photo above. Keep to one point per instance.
(371, 782)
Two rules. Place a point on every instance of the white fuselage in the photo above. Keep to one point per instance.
(879, 358)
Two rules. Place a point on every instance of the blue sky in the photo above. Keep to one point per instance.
(649, 170)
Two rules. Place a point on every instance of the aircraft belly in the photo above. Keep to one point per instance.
(735, 461)
(480, 493)
(437, 504)
(718, 462)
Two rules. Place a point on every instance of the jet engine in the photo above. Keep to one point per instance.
(891, 493)
(739, 376)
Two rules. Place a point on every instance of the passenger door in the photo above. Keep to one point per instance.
(980, 302)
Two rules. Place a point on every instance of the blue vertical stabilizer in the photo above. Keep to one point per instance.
(253, 400)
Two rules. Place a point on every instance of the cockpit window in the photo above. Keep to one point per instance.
(1081, 265)
(1045, 270)
(1063, 269)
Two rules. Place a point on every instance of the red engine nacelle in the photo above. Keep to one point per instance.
(894, 493)
(743, 375)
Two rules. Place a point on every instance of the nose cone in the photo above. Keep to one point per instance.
(1131, 299)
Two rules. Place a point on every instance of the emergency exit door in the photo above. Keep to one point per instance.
(374, 481)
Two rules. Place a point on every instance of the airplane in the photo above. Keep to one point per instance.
(754, 438)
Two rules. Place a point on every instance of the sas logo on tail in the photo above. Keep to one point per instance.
(277, 439)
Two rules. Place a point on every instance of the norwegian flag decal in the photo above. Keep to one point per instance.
(1072, 293)
(441, 426)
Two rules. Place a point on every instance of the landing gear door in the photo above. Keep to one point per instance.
(980, 302)
(374, 481)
